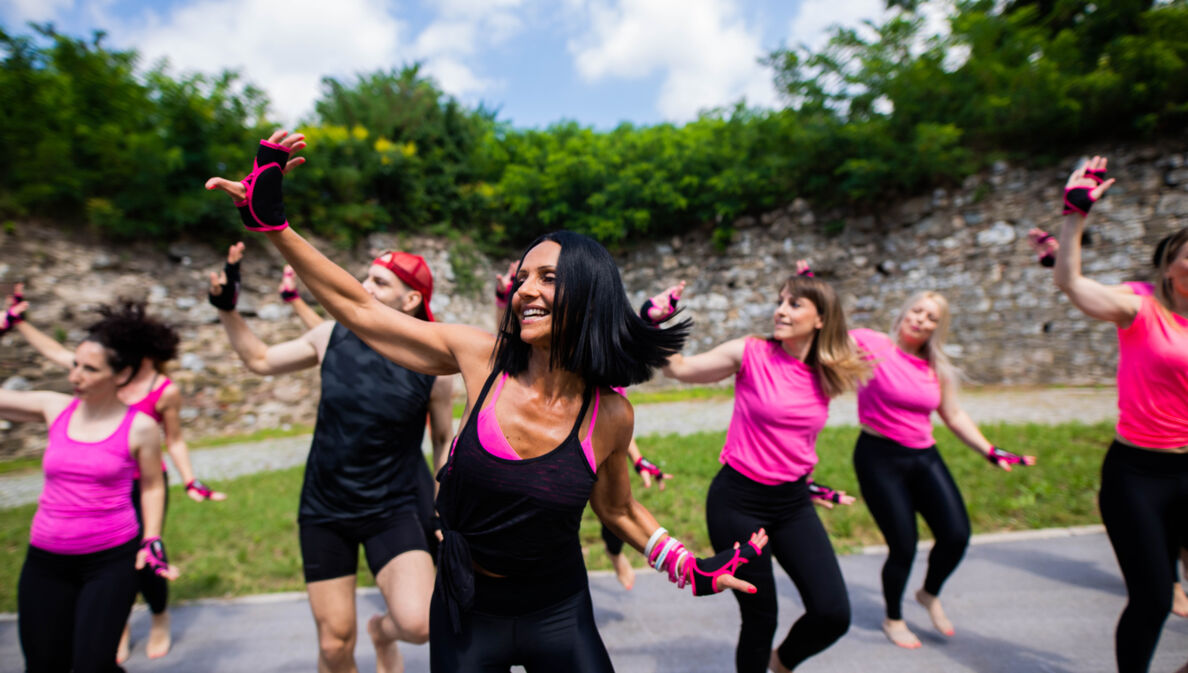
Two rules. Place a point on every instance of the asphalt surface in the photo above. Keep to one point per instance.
(1045, 602)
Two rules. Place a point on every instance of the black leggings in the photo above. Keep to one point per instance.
(152, 586)
(737, 506)
(1144, 505)
(896, 482)
(72, 608)
(561, 637)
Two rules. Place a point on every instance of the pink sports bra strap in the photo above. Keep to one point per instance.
(498, 389)
(588, 442)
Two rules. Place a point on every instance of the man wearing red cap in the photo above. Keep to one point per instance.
(366, 482)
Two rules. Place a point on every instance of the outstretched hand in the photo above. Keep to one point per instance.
(803, 268)
(503, 283)
(16, 308)
(1005, 459)
(218, 280)
(237, 190)
(729, 581)
(1085, 186)
(662, 306)
(288, 284)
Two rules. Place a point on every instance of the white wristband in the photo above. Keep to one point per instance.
(652, 541)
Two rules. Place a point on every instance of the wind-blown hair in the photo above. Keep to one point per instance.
(596, 332)
(1165, 253)
(840, 368)
(129, 336)
(933, 350)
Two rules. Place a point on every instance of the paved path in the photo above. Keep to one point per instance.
(1058, 405)
(1021, 605)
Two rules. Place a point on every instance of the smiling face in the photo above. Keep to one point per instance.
(796, 318)
(532, 302)
(918, 323)
(91, 375)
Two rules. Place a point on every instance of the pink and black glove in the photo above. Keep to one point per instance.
(263, 209)
(229, 296)
(643, 465)
(200, 489)
(1078, 200)
(288, 286)
(999, 457)
(15, 312)
(663, 306)
(155, 557)
(704, 572)
(818, 491)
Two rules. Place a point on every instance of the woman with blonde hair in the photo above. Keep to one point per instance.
(783, 385)
(900, 472)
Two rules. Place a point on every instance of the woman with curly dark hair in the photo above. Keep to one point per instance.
(150, 390)
(86, 542)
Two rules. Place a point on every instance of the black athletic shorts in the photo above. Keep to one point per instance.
(331, 549)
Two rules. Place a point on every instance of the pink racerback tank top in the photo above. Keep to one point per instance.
(85, 506)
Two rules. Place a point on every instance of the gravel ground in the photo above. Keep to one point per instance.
(1057, 405)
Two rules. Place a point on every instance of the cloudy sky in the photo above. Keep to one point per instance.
(599, 62)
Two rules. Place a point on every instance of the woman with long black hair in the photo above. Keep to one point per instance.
(544, 435)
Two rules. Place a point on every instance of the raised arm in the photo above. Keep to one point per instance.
(430, 348)
(1091, 297)
(49, 348)
(32, 406)
(967, 431)
(713, 365)
(290, 295)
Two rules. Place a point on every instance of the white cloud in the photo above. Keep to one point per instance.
(815, 19)
(19, 11)
(283, 46)
(708, 55)
(462, 29)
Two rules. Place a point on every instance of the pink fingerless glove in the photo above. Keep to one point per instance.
(656, 310)
(263, 209)
(819, 491)
(156, 558)
(644, 465)
(999, 457)
(197, 487)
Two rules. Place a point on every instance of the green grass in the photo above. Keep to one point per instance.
(16, 465)
(248, 544)
(256, 436)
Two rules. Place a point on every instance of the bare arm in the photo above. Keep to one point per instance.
(306, 314)
(260, 358)
(964, 427)
(441, 420)
(289, 294)
(46, 345)
(1091, 297)
(33, 406)
(144, 442)
(713, 365)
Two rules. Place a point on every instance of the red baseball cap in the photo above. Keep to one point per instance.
(412, 271)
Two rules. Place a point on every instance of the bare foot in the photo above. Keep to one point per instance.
(159, 638)
(935, 612)
(1179, 601)
(623, 570)
(899, 634)
(124, 649)
(775, 665)
(388, 658)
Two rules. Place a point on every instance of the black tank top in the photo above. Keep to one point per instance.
(519, 517)
(366, 459)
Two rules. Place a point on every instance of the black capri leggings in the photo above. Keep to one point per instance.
(1144, 505)
(73, 608)
(152, 586)
(558, 637)
(737, 506)
(896, 482)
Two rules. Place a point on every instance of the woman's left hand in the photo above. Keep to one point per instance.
(237, 190)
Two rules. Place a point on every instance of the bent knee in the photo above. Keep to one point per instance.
(833, 621)
(336, 645)
(414, 630)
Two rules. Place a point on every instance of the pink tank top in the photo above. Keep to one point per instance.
(898, 400)
(1140, 288)
(85, 506)
(492, 439)
(148, 403)
(1153, 378)
(779, 409)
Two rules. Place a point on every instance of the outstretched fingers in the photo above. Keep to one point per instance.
(235, 253)
(218, 280)
(234, 189)
(1097, 191)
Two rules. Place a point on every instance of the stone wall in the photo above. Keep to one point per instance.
(1010, 324)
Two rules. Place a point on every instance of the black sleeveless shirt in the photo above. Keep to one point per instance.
(519, 517)
(366, 459)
